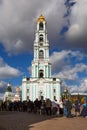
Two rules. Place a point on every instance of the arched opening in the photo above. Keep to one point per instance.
(41, 54)
(40, 26)
(41, 75)
(41, 95)
(41, 38)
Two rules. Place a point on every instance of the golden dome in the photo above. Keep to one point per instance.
(41, 18)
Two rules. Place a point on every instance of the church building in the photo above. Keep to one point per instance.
(41, 85)
(8, 96)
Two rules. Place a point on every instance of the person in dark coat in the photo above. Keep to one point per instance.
(77, 107)
(69, 107)
(84, 110)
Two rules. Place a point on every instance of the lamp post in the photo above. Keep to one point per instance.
(65, 94)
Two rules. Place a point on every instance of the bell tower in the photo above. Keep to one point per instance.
(41, 84)
(41, 67)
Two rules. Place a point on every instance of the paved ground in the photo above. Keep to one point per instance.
(26, 121)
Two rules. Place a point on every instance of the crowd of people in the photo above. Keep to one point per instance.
(48, 107)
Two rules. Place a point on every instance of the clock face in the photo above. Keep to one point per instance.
(41, 44)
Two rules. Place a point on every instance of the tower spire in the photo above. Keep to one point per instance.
(41, 18)
(41, 85)
(9, 89)
(41, 67)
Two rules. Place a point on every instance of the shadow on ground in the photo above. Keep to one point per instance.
(20, 120)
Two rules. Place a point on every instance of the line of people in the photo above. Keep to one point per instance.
(75, 109)
(48, 107)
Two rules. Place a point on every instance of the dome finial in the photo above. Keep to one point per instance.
(41, 18)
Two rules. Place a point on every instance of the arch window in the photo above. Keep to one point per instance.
(41, 75)
(41, 54)
(54, 97)
(40, 26)
(41, 38)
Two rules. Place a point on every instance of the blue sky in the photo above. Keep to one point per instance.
(67, 29)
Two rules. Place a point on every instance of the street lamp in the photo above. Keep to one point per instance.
(65, 94)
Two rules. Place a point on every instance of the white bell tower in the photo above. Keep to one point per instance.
(41, 84)
(41, 67)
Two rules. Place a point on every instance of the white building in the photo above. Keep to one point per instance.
(41, 85)
(8, 96)
(17, 96)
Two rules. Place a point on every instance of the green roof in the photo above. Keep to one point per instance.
(9, 89)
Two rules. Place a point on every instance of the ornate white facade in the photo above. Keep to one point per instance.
(41, 85)
(9, 96)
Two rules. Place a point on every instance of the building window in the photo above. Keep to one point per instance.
(41, 38)
(54, 79)
(41, 74)
(40, 26)
(54, 90)
(28, 79)
(27, 90)
(27, 97)
(41, 54)
(54, 97)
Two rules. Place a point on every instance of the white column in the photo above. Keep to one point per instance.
(50, 70)
(48, 91)
(36, 90)
(51, 85)
(24, 90)
(44, 91)
(34, 97)
(31, 92)
(58, 91)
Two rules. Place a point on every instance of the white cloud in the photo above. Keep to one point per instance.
(18, 17)
(71, 73)
(2, 83)
(3, 86)
(17, 21)
(65, 64)
(78, 25)
(69, 66)
(73, 89)
(7, 71)
(57, 59)
(1, 96)
(61, 61)
(82, 88)
(74, 31)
